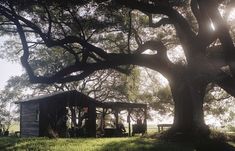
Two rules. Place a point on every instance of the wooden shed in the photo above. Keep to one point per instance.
(47, 115)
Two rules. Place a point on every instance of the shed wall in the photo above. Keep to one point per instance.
(29, 122)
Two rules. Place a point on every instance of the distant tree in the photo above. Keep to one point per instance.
(219, 105)
(6, 114)
(115, 34)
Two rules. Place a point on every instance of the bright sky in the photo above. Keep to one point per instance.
(7, 70)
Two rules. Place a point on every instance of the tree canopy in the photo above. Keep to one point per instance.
(89, 36)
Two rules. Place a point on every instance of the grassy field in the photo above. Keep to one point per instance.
(96, 144)
(91, 144)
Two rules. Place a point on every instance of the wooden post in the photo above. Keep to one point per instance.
(116, 117)
(159, 130)
(79, 118)
(20, 119)
(145, 118)
(91, 120)
(129, 122)
(102, 120)
(73, 116)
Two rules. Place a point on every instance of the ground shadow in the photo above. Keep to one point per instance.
(213, 145)
(132, 144)
(145, 144)
(141, 144)
(7, 142)
(14, 144)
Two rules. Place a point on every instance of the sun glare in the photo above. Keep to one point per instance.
(212, 26)
(231, 15)
(177, 55)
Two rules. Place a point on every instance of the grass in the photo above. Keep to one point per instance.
(92, 144)
(102, 144)
(15, 126)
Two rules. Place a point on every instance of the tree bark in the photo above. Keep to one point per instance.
(188, 93)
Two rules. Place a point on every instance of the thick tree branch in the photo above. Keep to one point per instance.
(227, 83)
(216, 56)
(173, 15)
(65, 75)
(183, 29)
(129, 32)
(222, 30)
(206, 34)
(49, 21)
(155, 62)
(24, 58)
(102, 59)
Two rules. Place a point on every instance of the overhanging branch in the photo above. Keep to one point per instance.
(167, 10)
(81, 70)
(227, 83)
(114, 61)
(211, 7)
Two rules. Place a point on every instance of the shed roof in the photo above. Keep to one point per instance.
(44, 97)
(123, 105)
(75, 97)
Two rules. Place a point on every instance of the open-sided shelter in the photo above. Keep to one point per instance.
(48, 115)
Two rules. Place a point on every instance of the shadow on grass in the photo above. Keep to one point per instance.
(141, 144)
(213, 145)
(41, 144)
(6, 142)
(145, 144)
(116, 144)
(16, 144)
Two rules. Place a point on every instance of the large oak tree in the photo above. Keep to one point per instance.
(113, 34)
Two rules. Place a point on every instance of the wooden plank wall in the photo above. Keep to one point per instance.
(29, 124)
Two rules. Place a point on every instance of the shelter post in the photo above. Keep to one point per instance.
(92, 120)
(116, 117)
(145, 118)
(129, 122)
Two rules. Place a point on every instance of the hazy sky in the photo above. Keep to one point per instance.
(8, 69)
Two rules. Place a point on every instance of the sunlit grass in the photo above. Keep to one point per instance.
(95, 144)
(90, 144)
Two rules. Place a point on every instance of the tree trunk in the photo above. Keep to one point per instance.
(73, 116)
(188, 93)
